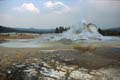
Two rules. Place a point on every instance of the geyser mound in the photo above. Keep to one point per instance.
(89, 32)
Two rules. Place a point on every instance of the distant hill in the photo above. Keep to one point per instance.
(4, 29)
(110, 32)
(114, 29)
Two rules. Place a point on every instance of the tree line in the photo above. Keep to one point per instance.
(109, 32)
(61, 29)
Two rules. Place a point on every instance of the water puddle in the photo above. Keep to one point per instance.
(22, 43)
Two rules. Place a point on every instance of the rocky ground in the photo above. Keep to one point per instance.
(79, 63)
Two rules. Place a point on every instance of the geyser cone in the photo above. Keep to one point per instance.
(89, 32)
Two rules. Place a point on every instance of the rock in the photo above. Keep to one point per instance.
(54, 74)
(96, 73)
(79, 75)
(31, 72)
(44, 71)
(48, 78)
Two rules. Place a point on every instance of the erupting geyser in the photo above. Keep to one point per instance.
(89, 32)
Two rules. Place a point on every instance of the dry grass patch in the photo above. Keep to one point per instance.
(16, 36)
(85, 48)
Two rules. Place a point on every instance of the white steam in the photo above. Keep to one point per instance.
(89, 32)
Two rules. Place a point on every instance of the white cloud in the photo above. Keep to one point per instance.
(57, 6)
(27, 7)
(51, 4)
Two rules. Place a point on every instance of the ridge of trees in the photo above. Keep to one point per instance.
(61, 29)
(109, 32)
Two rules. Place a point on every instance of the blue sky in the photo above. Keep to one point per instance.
(53, 13)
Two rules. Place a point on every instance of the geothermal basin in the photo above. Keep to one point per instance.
(66, 56)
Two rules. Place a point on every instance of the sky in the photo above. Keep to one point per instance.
(53, 13)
